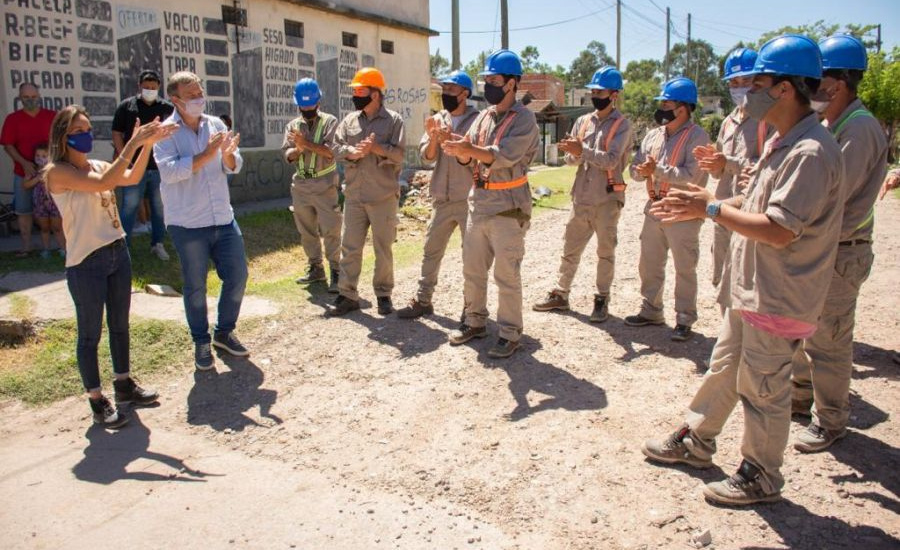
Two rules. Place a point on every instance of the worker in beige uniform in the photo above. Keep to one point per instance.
(501, 144)
(665, 161)
(314, 185)
(449, 187)
(370, 143)
(822, 374)
(739, 145)
(784, 242)
(600, 148)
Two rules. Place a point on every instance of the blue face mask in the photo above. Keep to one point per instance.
(82, 142)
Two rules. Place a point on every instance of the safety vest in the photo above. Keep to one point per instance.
(657, 194)
(302, 172)
(870, 218)
(481, 181)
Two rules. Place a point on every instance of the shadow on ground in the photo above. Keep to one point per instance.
(220, 398)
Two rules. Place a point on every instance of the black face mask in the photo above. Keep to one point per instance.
(450, 102)
(361, 102)
(309, 115)
(493, 94)
(664, 117)
(601, 103)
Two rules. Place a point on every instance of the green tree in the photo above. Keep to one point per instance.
(639, 105)
(703, 67)
(643, 70)
(530, 56)
(476, 65)
(439, 64)
(588, 61)
(881, 94)
(819, 30)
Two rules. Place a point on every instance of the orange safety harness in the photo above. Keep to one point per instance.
(761, 131)
(611, 184)
(480, 180)
(657, 194)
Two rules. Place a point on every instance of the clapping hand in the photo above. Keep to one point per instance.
(710, 159)
(300, 141)
(682, 205)
(571, 145)
(458, 146)
(647, 168)
(230, 143)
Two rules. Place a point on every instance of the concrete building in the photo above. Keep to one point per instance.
(249, 55)
(544, 86)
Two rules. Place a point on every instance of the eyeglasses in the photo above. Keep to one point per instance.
(106, 202)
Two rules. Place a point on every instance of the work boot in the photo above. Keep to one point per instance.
(105, 414)
(674, 450)
(127, 391)
(342, 306)
(385, 305)
(815, 438)
(465, 333)
(742, 488)
(333, 287)
(503, 349)
(315, 273)
(601, 309)
(681, 333)
(415, 309)
(554, 300)
(641, 321)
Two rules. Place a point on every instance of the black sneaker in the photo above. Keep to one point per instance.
(742, 488)
(674, 450)
(503, 349)
(203, 357)
(127, 391)
(641, 321)
(415, 309)
(314, 274)
(601, 309)
(681, 333)
(385, 305)
(465, 333)
(228, 341)
(342, 306)
(106, 415)
(333, 287)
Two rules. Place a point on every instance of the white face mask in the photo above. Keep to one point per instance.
(819, 106)
(195, 107)
(149, 95)
(739, 95)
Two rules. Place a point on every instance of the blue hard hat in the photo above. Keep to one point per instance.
(790, 55)
(678, 89)
(606, 78)
(306, 92)
(460, 78)
(739, 63)
(502, 62)
(843, 51)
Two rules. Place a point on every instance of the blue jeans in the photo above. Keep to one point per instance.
(102, 279)
(22, 198)
(224, 245)
(131, 201)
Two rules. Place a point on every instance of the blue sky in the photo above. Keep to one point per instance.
(720, 22)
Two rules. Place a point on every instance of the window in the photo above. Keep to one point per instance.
(387, 46)
(293, 28)
(349, 39)
(234, 16)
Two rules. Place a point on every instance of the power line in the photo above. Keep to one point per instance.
(545, 25)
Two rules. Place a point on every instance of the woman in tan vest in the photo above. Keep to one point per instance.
(98, 266)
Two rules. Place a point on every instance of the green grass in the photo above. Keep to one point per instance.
(45, 369)
(559, 180)
(21, 306)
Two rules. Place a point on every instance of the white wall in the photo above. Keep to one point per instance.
(91, 51)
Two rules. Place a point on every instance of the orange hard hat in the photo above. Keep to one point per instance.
(369, 77)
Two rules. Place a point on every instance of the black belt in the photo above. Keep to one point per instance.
(854, 242)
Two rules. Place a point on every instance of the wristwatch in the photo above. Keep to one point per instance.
(713, 209)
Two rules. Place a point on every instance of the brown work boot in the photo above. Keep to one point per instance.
(342, 306)
(465, 333)
(601, 309)
(641, 321)
(554, 300)
(415, 309)
(815, 438)
(333, 287)
(314, 274)
(742, 488)
(673, 450)
(503, 349)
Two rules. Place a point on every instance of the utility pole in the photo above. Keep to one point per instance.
(619, 34)
(504, 25)
(454, 63)
(668, 30)
(878, 40)
(687, 62)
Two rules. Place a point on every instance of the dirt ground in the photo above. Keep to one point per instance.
(371, 432)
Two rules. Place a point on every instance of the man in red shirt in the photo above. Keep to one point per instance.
(22, 131)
